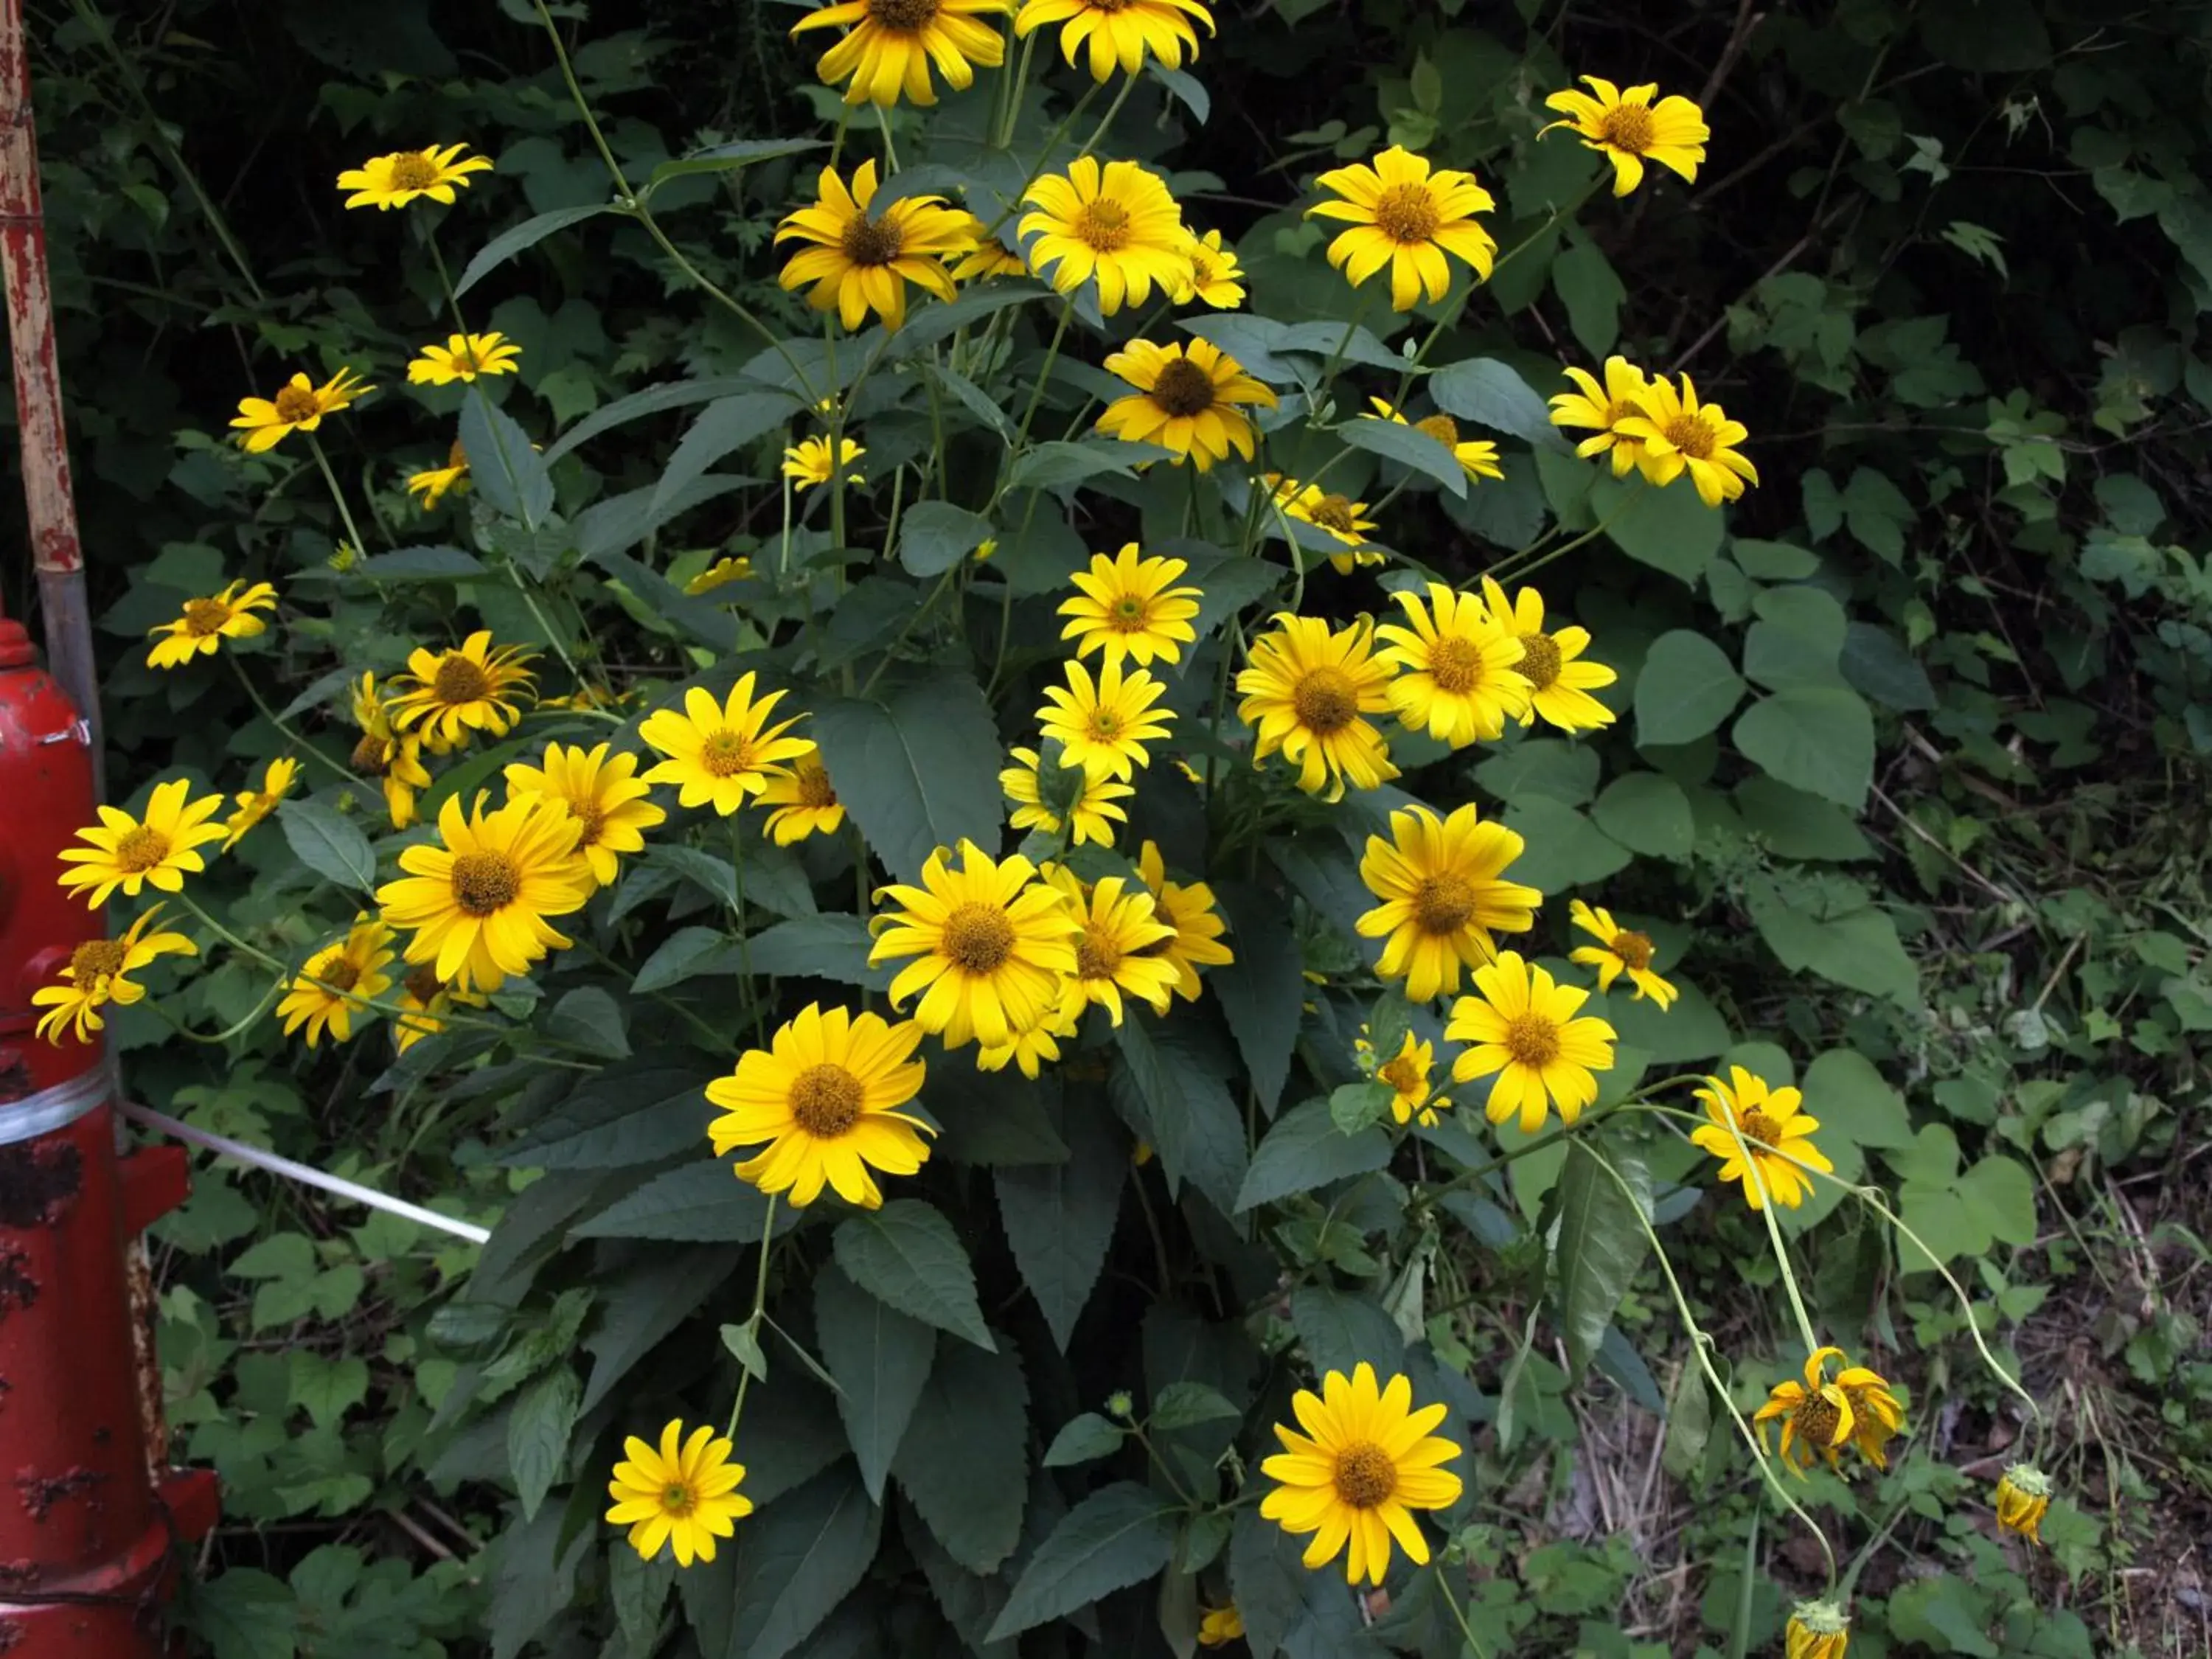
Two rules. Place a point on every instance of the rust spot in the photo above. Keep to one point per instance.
(18, 1573)
(42, 1491)
(18, 1289)
(15, 1075)
(39, 1181)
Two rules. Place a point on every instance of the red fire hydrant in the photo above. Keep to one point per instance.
(91, 1519)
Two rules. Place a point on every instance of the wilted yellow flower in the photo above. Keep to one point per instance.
(2022, 1500)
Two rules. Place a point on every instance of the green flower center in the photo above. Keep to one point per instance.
(678, 1499)
(826, 1101)
(726, 754)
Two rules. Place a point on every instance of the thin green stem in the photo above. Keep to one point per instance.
(1503, 570)
(1106, 120)
(913, 621)
(276, 989)
(1036, 392)
(759, 1313)
(890, 148)
(231, 938)
(1044, 156)
(744, 936)
(1426, 1199)
(1459, 1618)
(274, 719)
(445, 281)
(1167, 1474)
(1344, 341)
(331, 478)
(1009, 113)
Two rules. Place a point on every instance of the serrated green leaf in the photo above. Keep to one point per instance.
(590, 1019)
(881, 1360)
(1492, 394)
(1308, 1148)
(964, 1461)
(644, 1304)
(538, 1431)
(686, 951)
(934, 536)
(1409, 446)
(1118, 1536)
(1339, 1329)
(510, 476)
(1059, 1217)
(907, 1254)
(797, 1560)
(332, 847)
(1195, 1125)
(1186, 1405)
(1599, 1246)
(917, 768)
(700, 1203)
(1262, 993)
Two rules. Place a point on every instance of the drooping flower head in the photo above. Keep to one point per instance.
(1219, 1626)
(860, 263)
(1559, 681)
(1308, 692)
(1816, 1630)
(1189, 907)
(478, 900)
(338, 981)
(720, 752)
(392, 181)
(982, 255)
(1366, 1460)
(1186, 400)
(1406, 1072)
(1477, 456)
(98, 972)
(1339, 515)
(601, 791)
(425, 1000)
(1618, 950)
(1629, 129)
(1679, 435)
(1761, 1136)
(1459, 676)
(730, 568)
(1407, 217)
(804, 799)
(1216, 278)
(254, 805)
(991, 944)
(807, 462)
(824, 1095)
(445, 696)
(685, 1494)
(298, 406)
(1066, 799)
(463, 357)
(1103, 725)
(1119, 34)
(433, 483)
(122, 851)
(395, 761)
(1525, 1028)
(1443, 894)
(891, 44)
(1128, 608)
(1819, 1416)
(1122, 928)
(1603, 408)
(1115, 223)
(205, 623)
(2022, 1500)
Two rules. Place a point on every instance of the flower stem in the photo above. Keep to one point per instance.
(331, 478)
(759, 1313)
(1459, 1618)
(445, 281)
(293, 737)
(1106, 119)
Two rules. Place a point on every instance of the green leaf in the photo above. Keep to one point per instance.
(907, 1254)
(832, 947)
(1118, 1536)
(1670, 529)
(1687, 689)
(724, 158)
(918, 769)
(1563, 772)
(590, 1019)
(934, 536)
(1354, 1107)
(1592, 294)
(1876, 663)
(509, 475)
(538, 1431)
(1564, 849)
(1856, 946)
(1262, 993)
(1798, 641)
(700, 1203)
(1409, 446)
(1306, 1150)
(1226, 583)
(1493, 395)
(686, 951)
(1083, 1439)
(1998, 1195)
(1944, 1612)
(1339, 1329)
(1060, 465)
(1844, 1092)
(332, 847)
(655, 1295)
(1599, 1246)
(1817, 739)
(1195, 1126)
(243, 1613)
(640, 1114)
(653, 400)
(724, 425)
(881, 1360)
(326, 1389)
(1773, 561)
(1059, 1217)
(1186, 1405)
(1795, 825)
(1647, 812)
(964, 1462)
(799, 1558)
(421, 564)
(527, 235)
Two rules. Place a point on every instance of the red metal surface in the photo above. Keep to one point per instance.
(88, 1546)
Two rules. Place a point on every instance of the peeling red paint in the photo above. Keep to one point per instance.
(11, 1634)
(39, 1181)
(18, 1289)
(42, 1491)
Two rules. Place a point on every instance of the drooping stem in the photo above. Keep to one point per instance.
(274, 719)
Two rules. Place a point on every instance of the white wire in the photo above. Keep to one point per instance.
(300, 1172)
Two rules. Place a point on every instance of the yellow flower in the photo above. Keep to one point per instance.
(1308, 692)
(124, 852)
(1121, 927)
(298, 406)
(1459, 678)
(1560, 683)
(807, 462)
(1443, 894)
(806, 802)
(1339, 515)
(256, 804)
(1603, 409)
(1875, 1413)
(720, 573)
(1628, 130)
(824, 1095)
(1618, 950)
(478, 901)
(1776, 1138)
(1408, 1073)
(2022, 1500)
(1125, 607)
(338, 979)
(1408, 218)
(1030, 1050)
(1678, 435)
(433, 483)
(1186, 401)
(892, 43)
(1219, 1626)
(1119, 31)
(425, 1000)
(1187, 907)
(98, 972)
(720, 752)
(444, 696)
(1366, 1460)
(687, 1492)
(396, 763)
(1216, 278)
(206, 623)
(992, 945)
(601, 791)
(463, 357)
(394, 180)
(858, 264)
(1089, 803)
(1477, 456)
(1525, 1029)
(1117, 223)
(1103, 727)
(1816, 1630)
(1819, 1416)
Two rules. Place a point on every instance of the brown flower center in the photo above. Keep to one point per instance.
(978, 937)
(1540, 660)
(1692, 435)
(593, 818)
(1325, 701)
(813, 782)
(459, 679)
(1532, 1040)
(485, 883)
(1815, 1420)
(141, 850)
(1634, 949)
(1406, 213)
(339, 973)
(1629, 127)
(295, 403)
(902, 14)
(826, 1101)
(422, 983)
(1456, 664)
(1097, 955)
(1403, 1074)
(94, 960)
(1183, 388)
(1365, 1475)
(1444, 904)
(413, 172)
(1335, 512)
(678, 1499)
(726, 754)
(1756, 1126)
(1442, 427)
(205, 617)
(372, 755)
(457, 459)
(1103, 226)
(1201, 268)
(870, 241)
